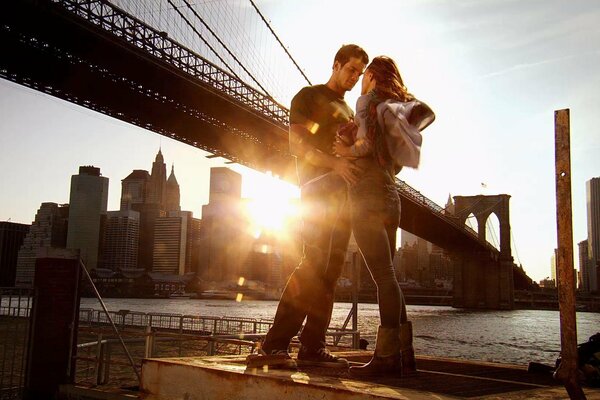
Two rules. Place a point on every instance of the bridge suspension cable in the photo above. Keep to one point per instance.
(514, 246)
(202, 38)
(279, 41)
(189, 6)
(492, 231)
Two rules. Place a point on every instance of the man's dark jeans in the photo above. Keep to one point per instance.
(309, 292)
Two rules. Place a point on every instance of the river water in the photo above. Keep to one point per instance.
(516, 337)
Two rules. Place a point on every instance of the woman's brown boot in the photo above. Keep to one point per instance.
(409, 363)
(387, 359)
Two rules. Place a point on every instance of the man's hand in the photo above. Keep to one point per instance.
(346, 169)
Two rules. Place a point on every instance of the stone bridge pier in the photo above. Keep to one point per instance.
(484, 278)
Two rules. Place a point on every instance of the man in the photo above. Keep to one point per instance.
(315, 115)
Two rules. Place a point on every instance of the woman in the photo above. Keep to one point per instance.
(375, 204)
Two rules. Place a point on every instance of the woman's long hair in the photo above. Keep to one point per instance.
(389, 84)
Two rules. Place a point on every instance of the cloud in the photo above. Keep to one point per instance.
(524, 66)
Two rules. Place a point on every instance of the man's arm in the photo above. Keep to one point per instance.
(301, 149)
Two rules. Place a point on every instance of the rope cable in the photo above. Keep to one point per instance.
(514, 243)
(279, 41)
(492, 230)
(225, 47)
(204, 40)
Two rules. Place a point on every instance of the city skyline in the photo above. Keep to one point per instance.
(494, 72)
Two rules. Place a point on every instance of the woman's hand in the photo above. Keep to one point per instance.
(342, 149)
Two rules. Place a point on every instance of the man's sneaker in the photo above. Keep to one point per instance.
(320, 358)
(276, 359)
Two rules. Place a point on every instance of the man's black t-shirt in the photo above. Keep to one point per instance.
(321, 111)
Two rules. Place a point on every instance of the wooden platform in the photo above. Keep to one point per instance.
(228, 378)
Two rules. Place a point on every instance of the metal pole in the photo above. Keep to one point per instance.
(85, 271)
(567, 370)
(355, 288)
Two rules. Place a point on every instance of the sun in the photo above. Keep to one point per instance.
(270, 202)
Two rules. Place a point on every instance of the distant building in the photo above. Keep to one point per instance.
(121, 240)
(173, 243)
(172, 201)
(553, 265)
(407, 238)
(592, 273)
(49, 229)
(225, 243)
(88, 201)
(157, 186)
(152, 195)
(584, 266)
(134, 189)
(11, 239)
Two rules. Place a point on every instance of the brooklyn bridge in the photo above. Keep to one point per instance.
(164, 69)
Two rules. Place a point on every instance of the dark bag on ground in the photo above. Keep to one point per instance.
(588, 355)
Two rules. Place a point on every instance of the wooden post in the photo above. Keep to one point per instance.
(567, 370)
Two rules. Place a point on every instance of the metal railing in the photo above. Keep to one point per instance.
(101, 360)
(175, 322)
(15, 309)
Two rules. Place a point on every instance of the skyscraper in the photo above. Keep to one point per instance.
(584, 261)
(121, 240)
(134, 189)
(157, 188)
(152, 195)
(593, 224)
(88, 201)
(173, 196)
(11, 239)
(223, 247)
(553, 265)
(173, 243)
(49, 229)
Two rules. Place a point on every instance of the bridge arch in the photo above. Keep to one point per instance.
(481, 281)
(482, 206)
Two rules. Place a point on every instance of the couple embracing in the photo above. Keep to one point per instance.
(346, 164)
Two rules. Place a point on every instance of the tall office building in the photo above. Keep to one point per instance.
(584, 261)
(49, 229)
(134, 189)
(224, 243)
(593, 225)
(152, 195)
(553, 265)
(173, 243)
(11, 239)
(88, 201)
(157, 186)
(121, 240)
(173, 196)
(407, 238)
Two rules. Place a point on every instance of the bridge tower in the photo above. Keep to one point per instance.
(484, 279)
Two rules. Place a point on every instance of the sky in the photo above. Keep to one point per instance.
(494, 72)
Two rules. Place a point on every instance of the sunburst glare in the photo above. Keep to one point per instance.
(271, 203)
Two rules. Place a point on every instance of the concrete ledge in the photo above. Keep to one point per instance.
(227, 378)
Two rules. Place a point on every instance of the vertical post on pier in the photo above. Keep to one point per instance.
(567, 370)
(355, 289)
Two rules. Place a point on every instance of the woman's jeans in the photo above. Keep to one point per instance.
(309, 292)
(375, 215)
